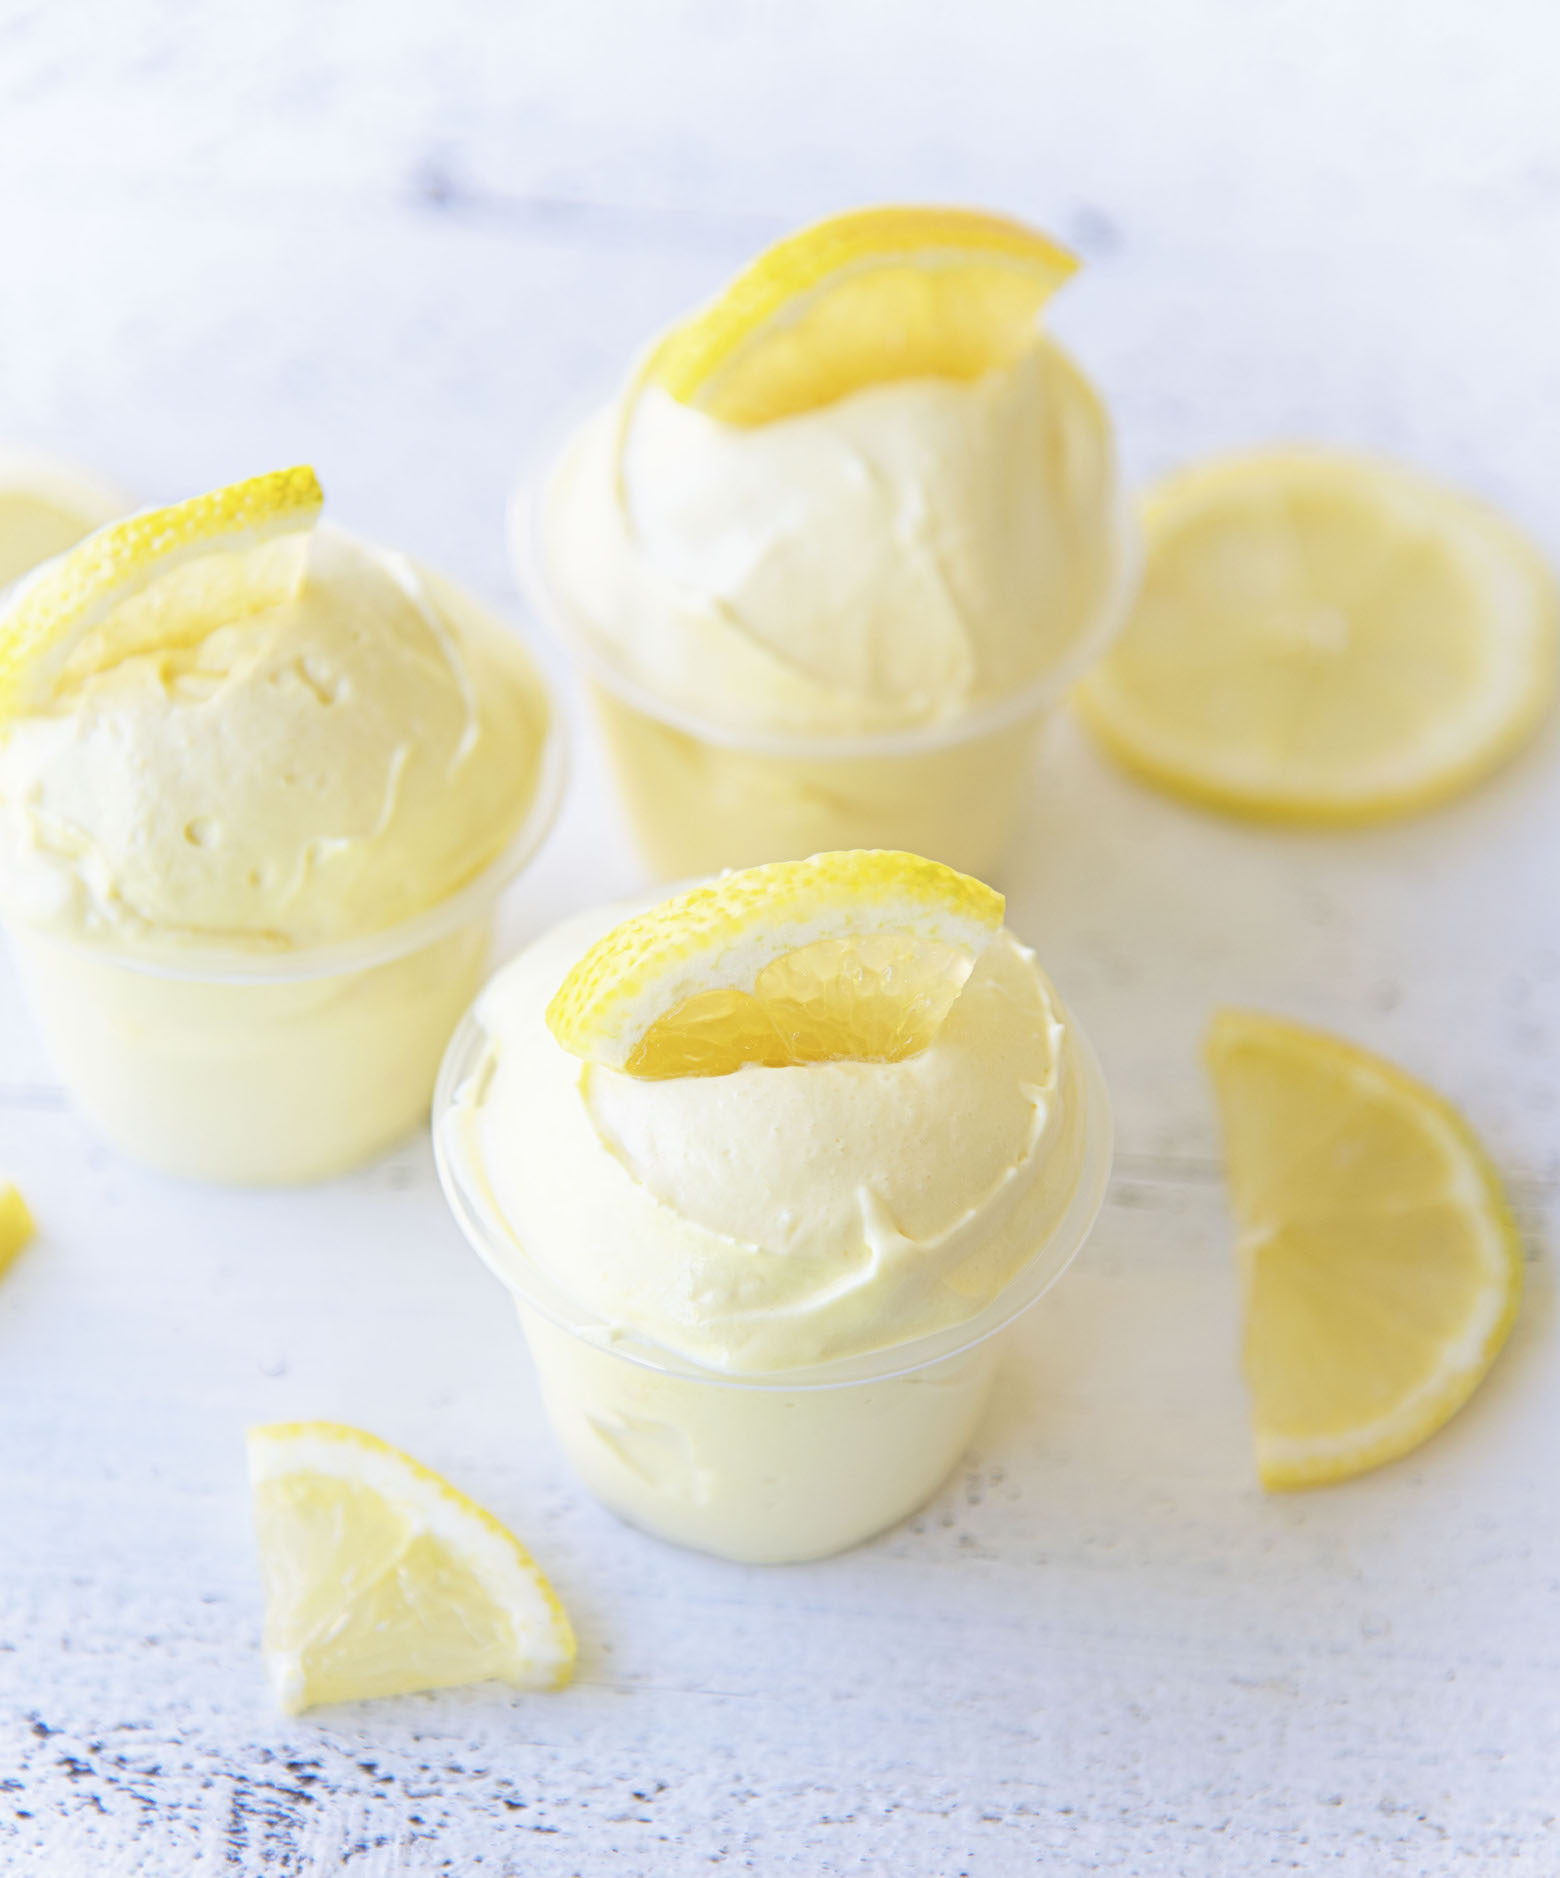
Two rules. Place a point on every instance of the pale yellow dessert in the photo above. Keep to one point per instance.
(241, 771)
(839, 1203)
(837, 543)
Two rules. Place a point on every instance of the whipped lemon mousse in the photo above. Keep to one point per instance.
(842, 540)
(260, 783)
(766, 1167)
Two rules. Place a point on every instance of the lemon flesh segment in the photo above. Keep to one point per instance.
(159, 579)
(16, 1225)
(1327, 639)
(862, 299)
(857, 954)
(1380, 1262)
(381, 1579)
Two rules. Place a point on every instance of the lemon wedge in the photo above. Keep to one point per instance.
(861, 299)
(156, 579)
(1327, 639)
(45, 509)
(1380, 1262)
(16, 1225)
(854, 955)
(381, 1579)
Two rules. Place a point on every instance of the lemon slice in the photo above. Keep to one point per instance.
(1326, 639)
(1381, 1265)
(45, 509)
(156, 579)
(858, 300)
(381, 1579)
(854, 955)
(16, 1225)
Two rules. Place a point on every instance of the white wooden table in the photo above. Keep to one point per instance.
(406, 243)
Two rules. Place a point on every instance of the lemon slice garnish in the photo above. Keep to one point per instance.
(46, 508)
(381, 1579)
(857, 955)
(1321, 638)
(1380, 1262)
(16, 1224)
(161, 578)
(861, 299)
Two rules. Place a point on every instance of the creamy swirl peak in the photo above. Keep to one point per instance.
(900, 557)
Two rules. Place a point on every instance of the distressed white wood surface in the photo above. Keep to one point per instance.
(406, 243)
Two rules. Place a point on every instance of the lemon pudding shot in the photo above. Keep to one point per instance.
(840, 544)
(766, 1168)
(260, 786)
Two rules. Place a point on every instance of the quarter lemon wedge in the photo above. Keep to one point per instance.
(1380, 1262)
(157, 579)
(860, 299)
(855, 955)
(381, 1579)
(16, 1225)
(1323, 638)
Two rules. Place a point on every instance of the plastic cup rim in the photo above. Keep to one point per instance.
(487, 1235)
(526, 521)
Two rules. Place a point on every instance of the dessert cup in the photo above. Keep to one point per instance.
(768, 1467)
(701, 796)
(227, 1064)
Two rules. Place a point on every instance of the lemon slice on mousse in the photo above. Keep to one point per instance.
(155, 579)
(861, 299)
(381, 1579)
(1321, 638)
(1382, 1268)
(855, 955)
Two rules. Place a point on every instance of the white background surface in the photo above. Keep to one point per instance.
(406, 244)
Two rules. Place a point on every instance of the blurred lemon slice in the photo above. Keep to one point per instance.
(381, 1579)
(1321, 638)
(16, 1225)
(860, 299)
(157, 579)
(857, 955)
(46, 508)
(1381, 1265)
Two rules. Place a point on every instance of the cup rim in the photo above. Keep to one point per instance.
(485, 1231)
(469, 902)
(524, 527)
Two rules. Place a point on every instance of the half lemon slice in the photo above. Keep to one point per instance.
(861, 299)
(381, 1579)
(857, 955)
(154, 580)
(1327, 639)
(1381, 1265)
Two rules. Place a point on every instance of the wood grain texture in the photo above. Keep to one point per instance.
(410, 244)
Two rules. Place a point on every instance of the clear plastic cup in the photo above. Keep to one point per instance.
(261, 1069)
(701, 797)
(767, 1468)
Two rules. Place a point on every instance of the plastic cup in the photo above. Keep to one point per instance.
(262, 1069)
(701, 797)
(767, 1468)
